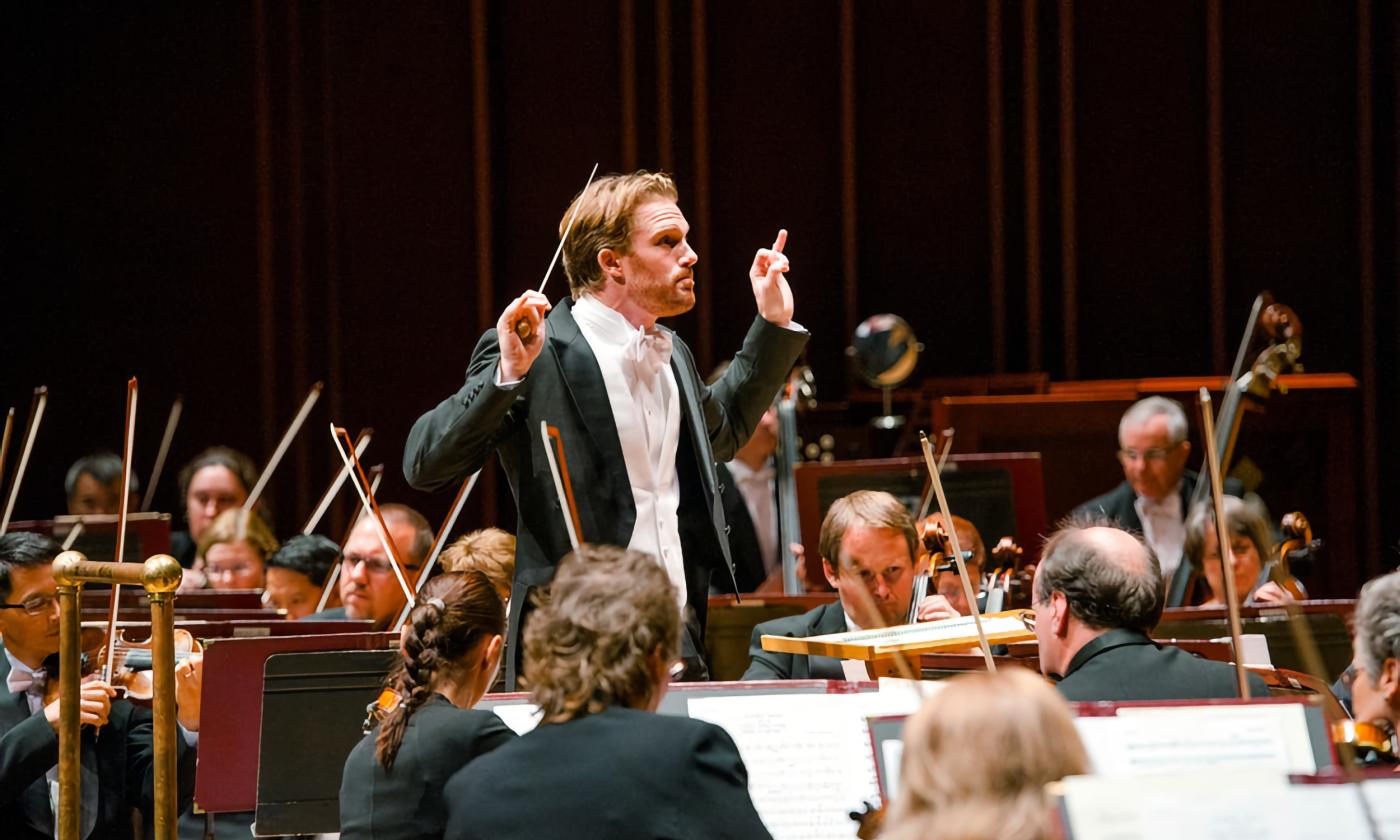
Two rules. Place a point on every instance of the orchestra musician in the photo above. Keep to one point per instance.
(234, 549)
(952, 785)
(1374, 675)
(748, 488)
(93, 484)
(600, 647)
(642, 432)
(946, 581)
(1251, 546)
(392, 787)
(490, 551)
(868, 547)
(297, 571)
(215, 480)
(1097, 595)
(369, 589)
(118, 766)
(1156, 489)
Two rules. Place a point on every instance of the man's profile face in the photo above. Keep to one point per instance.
(1152, 463)
(1045, 637)
(91, 496)
(30, 638)
(876, 570)
(658, 272)
(368, 585)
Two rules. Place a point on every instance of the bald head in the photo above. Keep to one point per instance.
(1108, 576)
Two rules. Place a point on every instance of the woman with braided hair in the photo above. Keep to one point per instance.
(392, 786)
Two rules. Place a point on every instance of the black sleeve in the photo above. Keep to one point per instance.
(455, 438)
(492, 734)
(26, 753)
(720, 788)
(766, 664)
(733, 406)
(141, 764)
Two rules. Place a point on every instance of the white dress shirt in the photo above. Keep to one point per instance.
(1164, 528)
(645, 402)
(757, 486)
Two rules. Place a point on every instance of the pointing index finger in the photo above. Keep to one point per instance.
(781, 241)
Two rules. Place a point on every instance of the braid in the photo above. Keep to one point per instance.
(457, 612)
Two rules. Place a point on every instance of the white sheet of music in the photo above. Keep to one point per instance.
(521, 717)
(1231, 805)
(1168, 739)
(1384, 797)
(808, 755)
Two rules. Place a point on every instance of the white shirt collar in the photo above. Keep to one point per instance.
(744, 472)
(604, 322)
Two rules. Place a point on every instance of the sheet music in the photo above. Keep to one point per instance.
(928, 631)
(1384, 797)
(1164, 740)
(808, 755)
(521, 717)
(1211, 806)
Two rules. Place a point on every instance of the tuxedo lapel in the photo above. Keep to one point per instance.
(690, 412)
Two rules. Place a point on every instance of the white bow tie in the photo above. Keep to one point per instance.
(27, 681)
(649, 351)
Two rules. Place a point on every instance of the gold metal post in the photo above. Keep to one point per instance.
(160, 576)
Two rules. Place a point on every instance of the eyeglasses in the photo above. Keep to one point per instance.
(1028, 619)
(1153, 454)
(374, 565)
(36, 605)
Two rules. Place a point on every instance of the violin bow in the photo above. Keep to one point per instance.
(128, 444)
(36, 415)
(559, 469)
(171, 421)
(376, 474)
(73, 534)
(5, 442)
(1222, 531)
(440, 542)
(522, 326)
(942, 462)
(968, 591)
(347, 456)
(361, 442)
(287, 437)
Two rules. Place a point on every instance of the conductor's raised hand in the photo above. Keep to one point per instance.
(520, 331)
(770, 288)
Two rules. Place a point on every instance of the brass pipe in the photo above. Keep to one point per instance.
(160, 577)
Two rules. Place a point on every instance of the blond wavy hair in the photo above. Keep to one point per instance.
(490, 551)
(595, 635)
(238, 525)
(977, 758)
(605, 221)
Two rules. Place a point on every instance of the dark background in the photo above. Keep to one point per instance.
(232, 201)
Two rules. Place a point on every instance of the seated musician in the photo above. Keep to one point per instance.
(1374, 675)
(118, 766)
(1097, 594)
(868, 548)
(490, 551)
(1251, 546)
(393, 781)
(952, 785)
(599, 648)
(217, 479)
(94, 485)
(297, 571)
(946, 579)
(369, 589)
(233, 551)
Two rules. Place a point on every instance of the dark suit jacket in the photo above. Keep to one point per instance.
(1126, 665)
(768, 665)
(615, 775)
(565, 388)
(123, 756)
(407, 803)
(749, 573)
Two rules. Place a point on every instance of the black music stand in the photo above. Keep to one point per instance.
(312, 709)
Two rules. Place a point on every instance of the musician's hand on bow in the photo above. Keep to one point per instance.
(94, 703)
(1272, 593)
(189, 690)
(935, 607)
(518, 354)
(770, 287)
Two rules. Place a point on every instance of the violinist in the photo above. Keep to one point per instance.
(945, 578)
(216, 479)
(868, 547)
(1096, 596)
(641, 430)
(93, 485)
(118, 767)
(490, 551)
(1374, 675)
(1250, 549)
(369, 589)
(297, 571)
(393, 781)
(234, 549)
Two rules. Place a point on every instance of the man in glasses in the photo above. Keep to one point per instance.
(118, 767)
(369, 588)
(1156, 489)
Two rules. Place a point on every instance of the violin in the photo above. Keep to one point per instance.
(1373, 744)
(1009, 579)
(131, 671)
